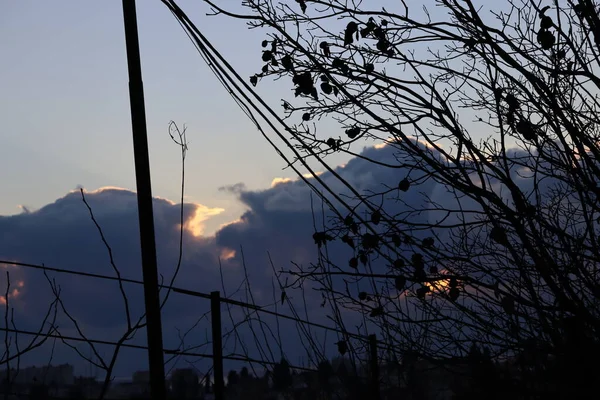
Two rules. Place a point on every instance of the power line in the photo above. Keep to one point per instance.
(187, 292)
(142, 347)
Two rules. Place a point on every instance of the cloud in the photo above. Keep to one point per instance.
(194, 225)
(278, 181)
(235, 188)
(275, 230)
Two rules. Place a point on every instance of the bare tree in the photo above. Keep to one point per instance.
(15, 349)
(82, 343)
(133, 326)
(493, 104)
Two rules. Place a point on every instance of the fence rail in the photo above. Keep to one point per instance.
(217, 345)
(192, 293)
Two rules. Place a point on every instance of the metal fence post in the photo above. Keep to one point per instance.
(217, 342)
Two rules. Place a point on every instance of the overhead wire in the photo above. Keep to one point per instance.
(141, 347)
(225, 71)
(188, 292)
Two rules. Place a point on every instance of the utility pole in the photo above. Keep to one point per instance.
(144, 198)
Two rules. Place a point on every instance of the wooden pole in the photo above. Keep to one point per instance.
(217, 342)
(144, 199)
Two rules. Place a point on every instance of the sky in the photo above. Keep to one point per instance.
(276, 229)
(64, 106)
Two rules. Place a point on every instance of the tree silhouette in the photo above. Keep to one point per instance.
(232, 378)
(325, 373)
(282, 376)
(185, 383)
(244, 374)
(489, 117)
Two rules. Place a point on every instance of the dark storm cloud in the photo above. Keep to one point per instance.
(62, 235)
(279, 223)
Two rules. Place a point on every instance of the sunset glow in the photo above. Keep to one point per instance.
(195, 225)
(14, 293)
(439, 286)
(278, 181)
(227, 254)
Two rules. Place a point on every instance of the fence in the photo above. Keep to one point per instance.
(216, 327)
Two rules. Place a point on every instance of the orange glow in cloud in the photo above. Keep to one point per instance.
(195, 225)
(235, 221)
(391, 140)
(308, 176)
(439, 286)
(118, 189)
(100, 190)
(14, 293)
(227, 254)
(278, 181)
(442, 285)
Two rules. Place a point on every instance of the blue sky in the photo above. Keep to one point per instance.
(65, 109)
